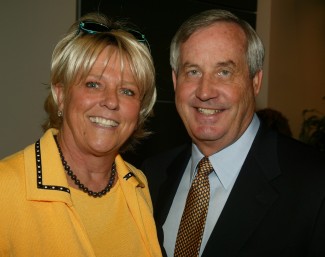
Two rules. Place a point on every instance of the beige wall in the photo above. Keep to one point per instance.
(29, 31)
(294, 32)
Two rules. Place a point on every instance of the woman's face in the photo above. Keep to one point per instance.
(101, 112)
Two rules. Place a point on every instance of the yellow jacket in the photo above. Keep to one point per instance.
(37, 217)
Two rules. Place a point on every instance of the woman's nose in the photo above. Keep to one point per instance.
(110, 99)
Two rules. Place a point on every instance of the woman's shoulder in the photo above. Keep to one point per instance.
(11, 162)
(12, 177)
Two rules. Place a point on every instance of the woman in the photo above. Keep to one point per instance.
(71, 193)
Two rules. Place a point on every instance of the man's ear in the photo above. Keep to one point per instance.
(174, 77)
(58, 95)
(257, 82)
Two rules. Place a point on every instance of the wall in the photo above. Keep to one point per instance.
(29, 32)
(294, 32)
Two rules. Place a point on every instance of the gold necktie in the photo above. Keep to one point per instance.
(191, 228)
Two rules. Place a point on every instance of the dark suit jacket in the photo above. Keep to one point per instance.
(276, 207)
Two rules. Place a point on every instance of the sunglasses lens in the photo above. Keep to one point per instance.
(93, 28)
(136, 34)
(139, 36)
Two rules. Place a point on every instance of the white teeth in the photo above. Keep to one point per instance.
(208, 111)
(103, 122)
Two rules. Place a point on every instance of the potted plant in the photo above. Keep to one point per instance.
(313, 128)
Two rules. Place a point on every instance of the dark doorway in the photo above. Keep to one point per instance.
(159, 21)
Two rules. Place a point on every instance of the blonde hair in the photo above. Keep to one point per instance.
(75, 54)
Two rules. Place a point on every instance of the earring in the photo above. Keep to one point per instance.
(60, 113)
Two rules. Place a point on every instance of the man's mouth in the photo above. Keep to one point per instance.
(208, 111)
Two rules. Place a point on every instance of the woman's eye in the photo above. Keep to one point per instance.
(92, 84)
(126, 91)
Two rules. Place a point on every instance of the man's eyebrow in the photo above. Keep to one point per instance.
(226, 64)
(187, 64)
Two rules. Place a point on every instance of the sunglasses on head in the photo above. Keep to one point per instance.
(91, 27)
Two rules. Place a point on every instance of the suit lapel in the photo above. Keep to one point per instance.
(250, 199)
(169, 187)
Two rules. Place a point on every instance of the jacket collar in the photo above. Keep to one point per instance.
(45, 176)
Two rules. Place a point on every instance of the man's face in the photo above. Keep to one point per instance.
(214, 94)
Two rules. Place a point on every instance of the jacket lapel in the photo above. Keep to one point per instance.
(138, 200)
(169, 187)
(250, 199)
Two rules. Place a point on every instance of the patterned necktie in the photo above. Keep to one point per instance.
(190, 232)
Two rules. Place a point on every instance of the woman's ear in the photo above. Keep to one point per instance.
(58, 95)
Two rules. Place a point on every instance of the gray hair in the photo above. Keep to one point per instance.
(255, 48)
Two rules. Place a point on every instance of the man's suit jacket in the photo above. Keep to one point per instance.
(276, 207)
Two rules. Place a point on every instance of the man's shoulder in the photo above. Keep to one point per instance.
(288, 149)
(159, 167)
(166, 157)
(298, 151)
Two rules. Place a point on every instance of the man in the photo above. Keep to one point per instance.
(267, 191)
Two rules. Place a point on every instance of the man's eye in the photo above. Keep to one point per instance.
(224, 73)
(193, 73)
(92, 84)
(126, 91)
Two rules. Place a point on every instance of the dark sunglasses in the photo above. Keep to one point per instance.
(91, 27)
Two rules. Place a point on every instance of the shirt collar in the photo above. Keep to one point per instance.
(228, 162)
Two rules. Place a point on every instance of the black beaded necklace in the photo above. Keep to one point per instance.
(77, 181)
